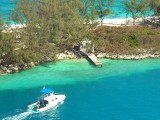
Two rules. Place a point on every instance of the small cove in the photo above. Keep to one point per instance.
(119, 90)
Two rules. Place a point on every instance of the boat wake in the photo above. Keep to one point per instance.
(24, 115)
(20, 116)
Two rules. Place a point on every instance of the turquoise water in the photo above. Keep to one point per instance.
(8, 5)
(5, 8)
(120, 90)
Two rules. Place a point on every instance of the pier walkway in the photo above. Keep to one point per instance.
(81, 52)
(94, 59)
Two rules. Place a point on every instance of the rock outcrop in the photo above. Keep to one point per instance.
(129, 57)
(15, 67)
(11, 68)
(66, 55)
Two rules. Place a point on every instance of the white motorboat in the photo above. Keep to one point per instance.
(48, 100)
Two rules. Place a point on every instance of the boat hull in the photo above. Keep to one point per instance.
(54, 101)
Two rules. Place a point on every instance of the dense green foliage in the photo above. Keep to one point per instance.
(103, 8)
(53, 26)
(1, 22)
(134, 7)
(93, 9)
(139, 8)
(50, 27)
(127, 40)
(155, 6)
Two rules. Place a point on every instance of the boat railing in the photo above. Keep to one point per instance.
(59, 93)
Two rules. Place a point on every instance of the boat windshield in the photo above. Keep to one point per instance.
(43, 96)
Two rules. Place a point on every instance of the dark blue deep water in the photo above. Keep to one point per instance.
(120, 90)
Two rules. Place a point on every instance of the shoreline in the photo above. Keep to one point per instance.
(108, 22)
(124, 21)
(143, 55)
(117, 22)
(121, 21)
(6, 69)
(129, 57)
(11, 68)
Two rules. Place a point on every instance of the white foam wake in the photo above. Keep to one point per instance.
(24, 115)
(20, 116)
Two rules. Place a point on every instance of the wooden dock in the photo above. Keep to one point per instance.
(90, 56)
(94, 59)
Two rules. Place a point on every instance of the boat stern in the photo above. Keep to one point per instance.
(33, 108)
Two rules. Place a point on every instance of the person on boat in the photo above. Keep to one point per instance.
(45, 102)
(38, 104)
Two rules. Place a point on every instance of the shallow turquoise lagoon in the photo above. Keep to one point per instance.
(120, 90)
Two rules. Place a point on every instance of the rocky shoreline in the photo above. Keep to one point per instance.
(128, 57)
(12, 68)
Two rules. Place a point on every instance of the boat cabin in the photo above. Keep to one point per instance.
(42, 100)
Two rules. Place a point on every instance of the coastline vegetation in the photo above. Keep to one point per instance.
(127, 40)
(53, 26)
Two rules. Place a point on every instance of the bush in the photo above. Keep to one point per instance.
(131, 40)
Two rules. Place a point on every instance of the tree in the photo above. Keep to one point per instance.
(102, 8)
(143, 8)
(154, 5)
(133, 7)
(7, 46)
(1, 20)
(51, 25)
(87, 10)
